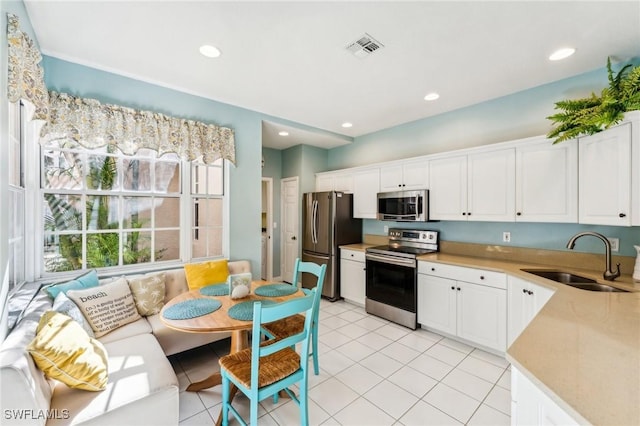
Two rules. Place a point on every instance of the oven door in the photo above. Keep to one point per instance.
(392, 281)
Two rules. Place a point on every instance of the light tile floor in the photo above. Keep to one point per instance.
(373, 372)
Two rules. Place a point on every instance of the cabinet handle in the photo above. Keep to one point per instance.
(458, 288)
(519, 214)
(351, 254)
(482, 277)
(622, 215)
(453, 288)
(433, 269)
(468, 213)
(524, 290)
(464, 213)
(530, 292)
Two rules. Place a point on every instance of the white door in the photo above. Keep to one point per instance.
(290, 226)
(366, 186)
(415, 175)
(437, 303)
(267, 212)
(482, 315)
(448, 188)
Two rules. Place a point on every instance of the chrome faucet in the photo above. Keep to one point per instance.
(608, 275)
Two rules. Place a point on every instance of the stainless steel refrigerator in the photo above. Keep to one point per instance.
(328, 223)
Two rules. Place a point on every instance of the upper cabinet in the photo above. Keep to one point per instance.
(605, 177)
(366, 185)
(408, 175)
(547, 181)
(334, 181)
(473, 187)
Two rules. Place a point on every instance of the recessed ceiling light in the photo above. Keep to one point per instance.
(431, 96)
(346, 125)
(283, 133)
(209, 51)
(565, 52)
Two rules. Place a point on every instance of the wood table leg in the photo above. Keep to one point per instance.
(239, 341)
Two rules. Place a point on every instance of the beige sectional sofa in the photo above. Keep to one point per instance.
(142, 388)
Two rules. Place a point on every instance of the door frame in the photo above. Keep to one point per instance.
(269, 195)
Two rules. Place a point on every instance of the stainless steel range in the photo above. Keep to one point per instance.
(392, 274)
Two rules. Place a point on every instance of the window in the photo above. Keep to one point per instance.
(207, 209)
(103, 209)
(16, 201)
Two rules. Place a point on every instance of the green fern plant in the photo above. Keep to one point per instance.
(586, 116)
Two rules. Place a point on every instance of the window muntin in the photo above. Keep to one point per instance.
(207, 209)
(103, 209)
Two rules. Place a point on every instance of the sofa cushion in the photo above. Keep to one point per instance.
(142, 389)
(128, 330)
(203, 274)
(148, 292)
(106, 307)
(176, 341)
(86, 280)
(64, 351)
(64, 305)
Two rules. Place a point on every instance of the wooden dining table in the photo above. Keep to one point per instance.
(219, 321)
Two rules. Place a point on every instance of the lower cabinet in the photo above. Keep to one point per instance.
(531, 406)
(352, 276)
(464, 302)
(525, 301)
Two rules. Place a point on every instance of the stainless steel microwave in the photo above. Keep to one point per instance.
(404, 206)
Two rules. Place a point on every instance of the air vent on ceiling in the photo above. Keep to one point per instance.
(364, 46)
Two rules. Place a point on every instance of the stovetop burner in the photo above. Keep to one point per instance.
(408, 243)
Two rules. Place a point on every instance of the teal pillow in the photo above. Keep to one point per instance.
(88, 280)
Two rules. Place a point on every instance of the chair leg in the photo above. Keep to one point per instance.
(254, 409)
(304, 406)
(225, 401)
(314, 339)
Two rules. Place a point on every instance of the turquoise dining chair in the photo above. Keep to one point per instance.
(288, 326)
(268, 367)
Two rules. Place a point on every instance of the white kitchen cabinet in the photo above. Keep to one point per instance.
(605, 177)
(524, 301)
(330, 181)
(532, 407)
(478, 186)
(352, 276)
(547, 181)
(366, 185)
(404, 176)
(465, 302)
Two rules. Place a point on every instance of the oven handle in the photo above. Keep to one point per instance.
(411, 263)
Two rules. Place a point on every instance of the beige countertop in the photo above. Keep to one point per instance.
(583, 347)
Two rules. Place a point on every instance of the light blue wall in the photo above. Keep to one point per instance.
(245, 191)
(510, 117)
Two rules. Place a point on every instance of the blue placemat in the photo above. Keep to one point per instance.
(243, 311)
(191, 309)
(221, 289)
(276, 290)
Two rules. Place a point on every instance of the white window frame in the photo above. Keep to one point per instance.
(35, 217)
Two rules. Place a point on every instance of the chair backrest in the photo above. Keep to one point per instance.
(319, 271)
(269, 313)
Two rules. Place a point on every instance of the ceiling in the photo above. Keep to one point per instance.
(289, 59)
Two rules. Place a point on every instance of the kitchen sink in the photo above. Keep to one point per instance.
(573, 280)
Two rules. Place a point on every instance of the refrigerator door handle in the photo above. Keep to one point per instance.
(314, 228)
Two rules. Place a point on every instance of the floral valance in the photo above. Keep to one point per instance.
(25, 74)
(93, 125)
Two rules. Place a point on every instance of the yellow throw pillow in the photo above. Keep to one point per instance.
(203, 274)
(65, 352)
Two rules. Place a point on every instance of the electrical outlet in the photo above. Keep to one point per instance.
(506, 237)
(386, 229)
(615, 243)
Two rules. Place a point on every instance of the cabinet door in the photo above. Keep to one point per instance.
(366, 186)
(547, 182)
(352, 281)
(437, 303)
(604, 177)
(391, 178)
(324, 183)
(518, 308)
(343, 182)
(448, 188)
(415, 175)
(482, 315)
(491, 186)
